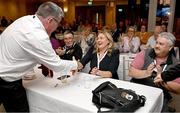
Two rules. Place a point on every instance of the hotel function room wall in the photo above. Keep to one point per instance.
(12, 9)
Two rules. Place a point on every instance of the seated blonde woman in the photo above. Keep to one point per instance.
(130, 42)
(104, 60)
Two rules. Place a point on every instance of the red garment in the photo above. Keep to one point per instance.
(138, 61)
(46, 71)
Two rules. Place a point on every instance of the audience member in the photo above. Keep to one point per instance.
(164, 27)
(130, 43)
(122, 28)
(65, 27)
(152, 40)
(55, 42)
(115, 32)
(104, 60)
(143, 35)
(24, 44)
(71, 49)
(94, 28)
(143, 69)
(87, 40)
(74, 26)
(80, 27)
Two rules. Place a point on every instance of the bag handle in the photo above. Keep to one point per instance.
(105, 85)
(142, 100)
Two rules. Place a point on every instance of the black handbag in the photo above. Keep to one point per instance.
(116, 99)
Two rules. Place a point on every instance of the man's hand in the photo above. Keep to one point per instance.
(150, 69)
(79, 66)
(60, 51)
(73, 72)
(159, 69)
(158, 80)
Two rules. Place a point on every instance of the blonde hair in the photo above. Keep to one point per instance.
(109, 37)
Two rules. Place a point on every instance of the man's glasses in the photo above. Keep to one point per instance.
(55, 20)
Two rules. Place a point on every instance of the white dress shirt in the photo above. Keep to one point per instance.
(24, 44)
(130, 46)
(151, 42)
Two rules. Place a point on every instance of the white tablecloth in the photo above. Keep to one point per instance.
(74, 96)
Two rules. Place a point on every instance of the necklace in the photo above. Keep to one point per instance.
(100, 57)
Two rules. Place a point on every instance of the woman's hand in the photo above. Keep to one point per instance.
(94, 71)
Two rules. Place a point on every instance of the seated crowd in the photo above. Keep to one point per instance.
(102, 51)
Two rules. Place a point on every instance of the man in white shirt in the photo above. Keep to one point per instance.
(23, 44)
(152, 40)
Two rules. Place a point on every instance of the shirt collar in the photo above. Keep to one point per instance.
(37, 20)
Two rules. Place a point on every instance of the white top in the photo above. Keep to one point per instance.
(151, 42)
(130, 46)
(24, 44)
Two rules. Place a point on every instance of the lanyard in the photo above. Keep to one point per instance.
(163, 67)
(100, 59)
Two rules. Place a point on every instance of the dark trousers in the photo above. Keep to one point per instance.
(13, 96)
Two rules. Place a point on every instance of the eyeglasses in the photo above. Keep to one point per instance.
(55, 20)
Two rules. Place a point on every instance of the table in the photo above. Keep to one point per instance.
(44, 95)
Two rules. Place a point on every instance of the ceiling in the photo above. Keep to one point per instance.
(90, 0)
(93, 0)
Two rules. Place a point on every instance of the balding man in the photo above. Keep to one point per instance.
(23, 44)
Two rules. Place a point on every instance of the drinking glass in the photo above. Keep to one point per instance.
(87, 82)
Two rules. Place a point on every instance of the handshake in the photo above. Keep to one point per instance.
(79, 66)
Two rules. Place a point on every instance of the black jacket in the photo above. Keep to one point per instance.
(75, 51)
(115, 35)
(172, 73)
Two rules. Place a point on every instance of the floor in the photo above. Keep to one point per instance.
(176, 103)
